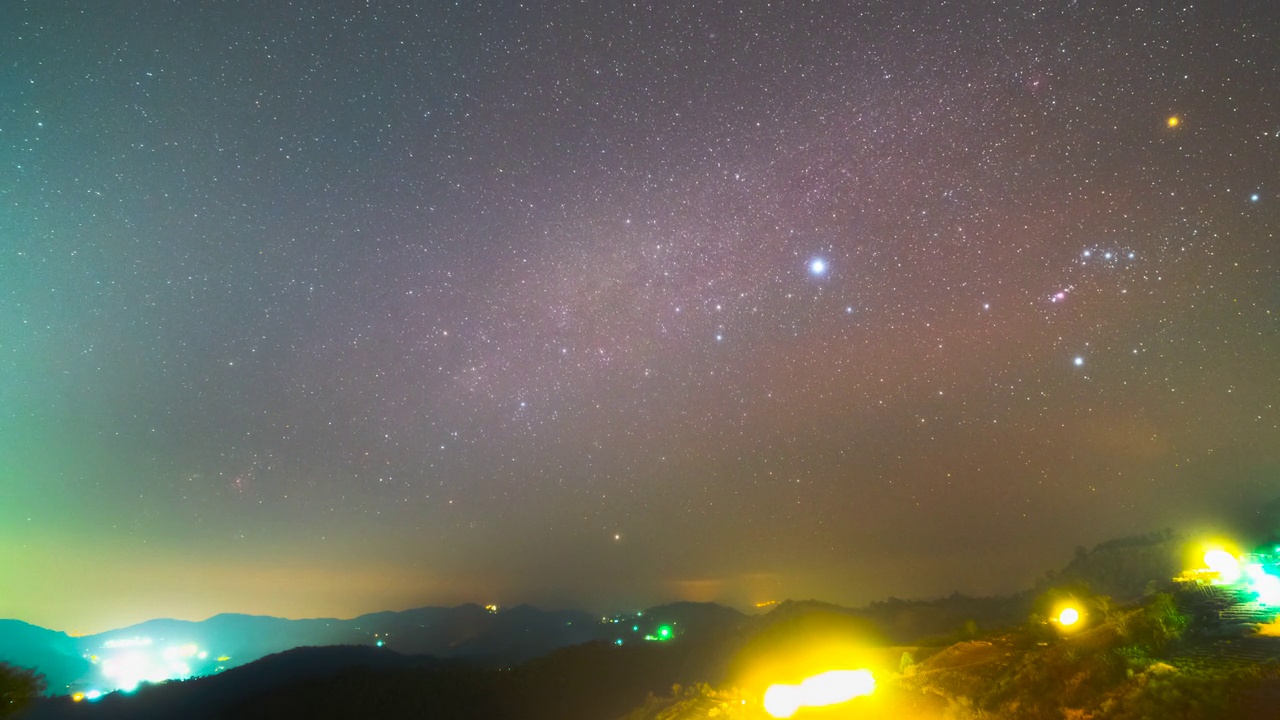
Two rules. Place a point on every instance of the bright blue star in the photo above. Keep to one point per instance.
(1078, 361)
(1255, 197)
(817, 267)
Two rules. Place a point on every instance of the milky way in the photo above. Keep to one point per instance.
(324, 308)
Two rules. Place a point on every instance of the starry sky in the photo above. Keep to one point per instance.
(322, 308)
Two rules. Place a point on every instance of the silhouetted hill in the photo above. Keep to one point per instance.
(702, 617)
(944, 619)
(56, 655)
(1125, 568)
(1144, 661)
(790, 608)
(588, 681)
(909, 622)
(501, 638)
(214, 696)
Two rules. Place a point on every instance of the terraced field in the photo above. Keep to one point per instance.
(1229, 653)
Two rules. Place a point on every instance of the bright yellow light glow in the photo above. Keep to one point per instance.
(1174, 121)
(836, 686)
(1224, 564)
(782, 701)
(829, 688)
(1069, 616)
(77, 697)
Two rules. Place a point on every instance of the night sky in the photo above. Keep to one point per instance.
(322, 308)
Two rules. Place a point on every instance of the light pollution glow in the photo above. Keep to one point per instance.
(782, 700)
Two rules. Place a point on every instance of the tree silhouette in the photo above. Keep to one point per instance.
(19, 687)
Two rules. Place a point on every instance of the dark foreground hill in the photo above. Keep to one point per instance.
(216, 695)
(1146, 661)
(592, 680)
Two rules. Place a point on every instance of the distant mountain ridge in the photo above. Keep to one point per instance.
(56, 655)
(1121, 568)
(504, 638)
(228, 640)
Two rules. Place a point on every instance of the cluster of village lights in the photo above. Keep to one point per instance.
(1228, 569)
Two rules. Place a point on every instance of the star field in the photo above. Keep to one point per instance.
(325, 308)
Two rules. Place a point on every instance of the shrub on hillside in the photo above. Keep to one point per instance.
(19, 688)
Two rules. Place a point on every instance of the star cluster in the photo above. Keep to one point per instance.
(322, 308)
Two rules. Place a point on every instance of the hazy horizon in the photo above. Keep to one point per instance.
(744, 602)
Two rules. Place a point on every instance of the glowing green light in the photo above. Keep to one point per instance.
(661, 634)
(1265, 585)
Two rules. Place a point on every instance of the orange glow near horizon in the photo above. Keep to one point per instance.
(164, 584)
